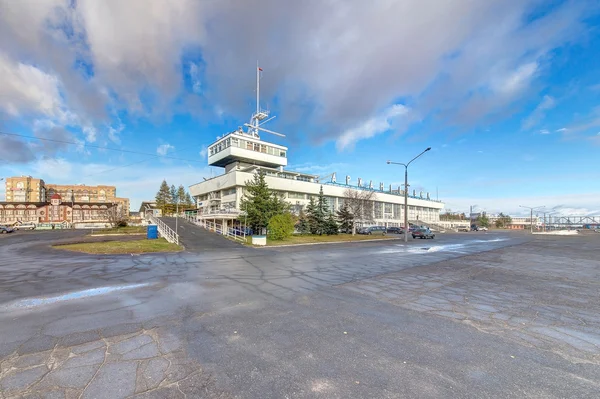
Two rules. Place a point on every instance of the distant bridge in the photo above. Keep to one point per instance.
(574, 221)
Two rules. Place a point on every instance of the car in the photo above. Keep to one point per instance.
(373, 230)
(423, 233)
(25, 226)
(482, 229)
(466, 229)
(6, 229)
(395, 230)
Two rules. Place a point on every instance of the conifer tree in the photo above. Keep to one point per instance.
(345, 219)
(163, 197)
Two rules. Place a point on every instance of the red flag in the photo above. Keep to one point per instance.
(260, 69)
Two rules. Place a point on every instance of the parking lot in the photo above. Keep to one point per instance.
(480, 314)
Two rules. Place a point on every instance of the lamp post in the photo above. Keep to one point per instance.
(176, 215)
(406, 190)
(531, 209)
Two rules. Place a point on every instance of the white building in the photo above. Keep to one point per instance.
(243, 153)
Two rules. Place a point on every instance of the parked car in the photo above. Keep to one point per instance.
(481, 228)
(25, 226)
(373, 230)
(423, 233)
(6, 229)
(395, 230)
(466, 229)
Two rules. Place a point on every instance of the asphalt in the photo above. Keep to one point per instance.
(195, 238)
(471, 315)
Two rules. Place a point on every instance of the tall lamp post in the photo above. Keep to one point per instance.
(406, 190)
(531, 209)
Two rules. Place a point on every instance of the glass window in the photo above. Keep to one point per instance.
(248, 145)
(282, 153)
(263, 148)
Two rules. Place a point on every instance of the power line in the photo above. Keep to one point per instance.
(97, 147)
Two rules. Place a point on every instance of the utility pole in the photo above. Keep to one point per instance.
(531, 209)
(406, 190)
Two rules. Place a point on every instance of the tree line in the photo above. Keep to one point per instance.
(168, 199)
(267, 210)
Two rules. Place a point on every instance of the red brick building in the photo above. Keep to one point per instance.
(56, 211)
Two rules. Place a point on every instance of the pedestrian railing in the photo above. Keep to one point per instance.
(217, 228)
(165, 231)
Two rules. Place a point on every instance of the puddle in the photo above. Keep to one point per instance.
(92, 292)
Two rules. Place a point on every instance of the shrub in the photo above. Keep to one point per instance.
(281, 226)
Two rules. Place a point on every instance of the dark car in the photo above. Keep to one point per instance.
(423, 233)
(373, 230)
(395, 230)
(6, 229)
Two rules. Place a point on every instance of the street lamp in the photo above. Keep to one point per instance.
(531, 209)
(406, 190)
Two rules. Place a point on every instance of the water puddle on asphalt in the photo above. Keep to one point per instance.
(92, 292)
(457, 248)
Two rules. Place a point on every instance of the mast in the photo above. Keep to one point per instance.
(257, 98)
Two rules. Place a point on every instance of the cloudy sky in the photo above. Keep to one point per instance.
(130, 92)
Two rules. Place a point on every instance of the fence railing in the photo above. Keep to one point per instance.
(217, 228)
(165, 231)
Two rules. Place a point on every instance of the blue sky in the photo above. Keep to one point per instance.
(506, 93)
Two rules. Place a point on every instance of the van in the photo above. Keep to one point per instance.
(25, 226)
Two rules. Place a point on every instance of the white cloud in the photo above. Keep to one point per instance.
(544, 131)
(567, 204)
(163, 149)
(539, 112)
(203, 152)
(25, 89)
(479, 59)
(90, 133)
(371, 127)
(195, 77)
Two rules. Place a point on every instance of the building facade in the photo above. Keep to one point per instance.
(25, 189)
(243, 153)
(30, 190)
(57, 211)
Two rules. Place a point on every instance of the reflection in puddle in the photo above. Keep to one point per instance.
(34, 302)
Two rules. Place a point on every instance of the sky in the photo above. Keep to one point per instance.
(506, 93)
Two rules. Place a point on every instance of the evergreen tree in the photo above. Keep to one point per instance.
(303, 226)
(331, 226)
(188, 200)
(163, 197)
(181, 195)
(322, 212)
(312, 217)
(345, 219)
(261, 203)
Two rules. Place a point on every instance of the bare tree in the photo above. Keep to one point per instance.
(360, 204)
(116, 216)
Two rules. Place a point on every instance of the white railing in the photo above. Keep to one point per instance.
(217, 228)
(165, 231)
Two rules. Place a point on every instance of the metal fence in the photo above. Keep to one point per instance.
(230, 232)
(165, 231)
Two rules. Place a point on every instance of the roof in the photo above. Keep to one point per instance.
(56, 196)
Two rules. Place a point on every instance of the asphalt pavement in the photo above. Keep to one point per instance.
(470, 315)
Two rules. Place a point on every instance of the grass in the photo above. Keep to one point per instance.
(314, 239)
(122, 247)
(121, 230)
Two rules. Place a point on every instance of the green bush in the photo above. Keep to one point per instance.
(281, 226)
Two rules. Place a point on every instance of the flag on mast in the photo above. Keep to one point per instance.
(260, 69)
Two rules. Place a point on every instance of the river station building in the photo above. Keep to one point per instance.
(243, 153)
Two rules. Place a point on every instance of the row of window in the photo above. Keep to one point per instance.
(246, 144)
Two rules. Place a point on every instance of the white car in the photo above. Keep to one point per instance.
(25, 226)
(482, 228)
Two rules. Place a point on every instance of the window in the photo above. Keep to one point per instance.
(282, 153)
(263, 148)
(293, 195)
(378, 210)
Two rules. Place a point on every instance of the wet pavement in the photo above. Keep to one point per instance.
(465, 315)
